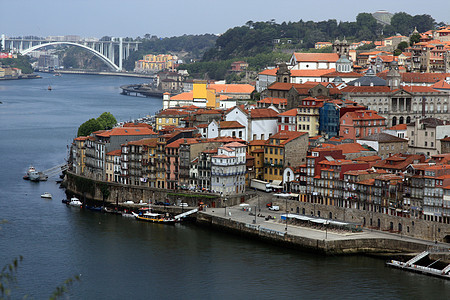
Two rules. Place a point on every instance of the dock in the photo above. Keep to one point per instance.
(415, 265)
(141, 90)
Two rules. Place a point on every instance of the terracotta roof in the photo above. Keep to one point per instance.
(290, 113)
(398, 127)
(232, 88)
(235, 144)
(177, 143)
(81, 138)
(402, 161)
(230, 124)
(442, 84)
(275, 101)
(346, 147)
(151, 142)
(316, 57)
(285, 136)
(117, 152)
(370, 158)
(127, 131)
(263, 113)
(364, 115)
(270, 72)
(257, 143)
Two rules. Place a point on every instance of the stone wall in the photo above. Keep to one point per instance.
(403, 226)
(352, 246)
(120, 193)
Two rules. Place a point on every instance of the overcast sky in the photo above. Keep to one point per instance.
(132, 18)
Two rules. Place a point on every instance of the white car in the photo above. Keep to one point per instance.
(274, 207)
(183, 204)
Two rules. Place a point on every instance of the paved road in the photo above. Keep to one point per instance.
(237, 213)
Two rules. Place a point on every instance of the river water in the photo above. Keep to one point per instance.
(119, 258)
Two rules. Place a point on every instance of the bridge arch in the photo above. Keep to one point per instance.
(95, 52)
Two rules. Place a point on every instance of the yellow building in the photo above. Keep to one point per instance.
(79, 154)
(152, 62)
(283, 149)
(256, 149)
(308, 116)
(200, 96)
(170, 117)
(112, 165)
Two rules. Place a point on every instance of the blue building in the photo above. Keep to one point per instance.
(329, 119)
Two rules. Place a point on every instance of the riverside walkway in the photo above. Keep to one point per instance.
(365, 241)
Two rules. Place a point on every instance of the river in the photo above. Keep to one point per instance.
(119, 258)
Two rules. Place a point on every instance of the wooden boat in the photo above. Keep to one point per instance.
(154, 218)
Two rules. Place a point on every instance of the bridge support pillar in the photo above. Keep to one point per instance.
(120, 53)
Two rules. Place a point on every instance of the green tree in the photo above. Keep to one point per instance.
(402, 46)
(89, 127)
(106, 120)
(402, 22)
(415, 38)
(397, 52)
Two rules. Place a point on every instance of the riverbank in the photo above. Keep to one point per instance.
(277, 231)
(121, 74)
(23, 76)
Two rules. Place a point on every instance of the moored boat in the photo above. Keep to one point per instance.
(46, 195)
(154, 218)
(30, 170)
(74, 201)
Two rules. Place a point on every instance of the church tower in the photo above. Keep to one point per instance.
(393, 76)
(283, 73)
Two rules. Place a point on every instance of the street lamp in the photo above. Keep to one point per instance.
(286, 215)
(225, 205)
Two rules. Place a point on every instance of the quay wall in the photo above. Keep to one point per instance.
(412, 227)
(349, 246)
(91, 190)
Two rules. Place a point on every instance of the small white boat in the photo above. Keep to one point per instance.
(74, 201)
(46, 195)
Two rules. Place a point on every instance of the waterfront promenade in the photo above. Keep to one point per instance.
(276, 230)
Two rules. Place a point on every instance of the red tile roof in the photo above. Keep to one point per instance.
(115, 152)
(275, 101)
(263, 113)
(230, 124)
(232, 88)
(290, 113)
(285, 136)
(316, 57)
(127, 131)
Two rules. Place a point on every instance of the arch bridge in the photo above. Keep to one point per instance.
(105, 50)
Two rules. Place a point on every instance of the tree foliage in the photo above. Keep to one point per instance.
(264, 37)
(105, 121)
(193, 46)
(21, 62)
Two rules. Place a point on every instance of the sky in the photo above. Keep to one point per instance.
(133, 18)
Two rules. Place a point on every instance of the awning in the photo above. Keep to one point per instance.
(276, 184)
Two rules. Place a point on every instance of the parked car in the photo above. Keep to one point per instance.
(183, 204)
(269, 204)
(274, 207)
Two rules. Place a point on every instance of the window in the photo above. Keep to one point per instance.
(432, 144)
(426, 144)
(281, 151)
(426, 133)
